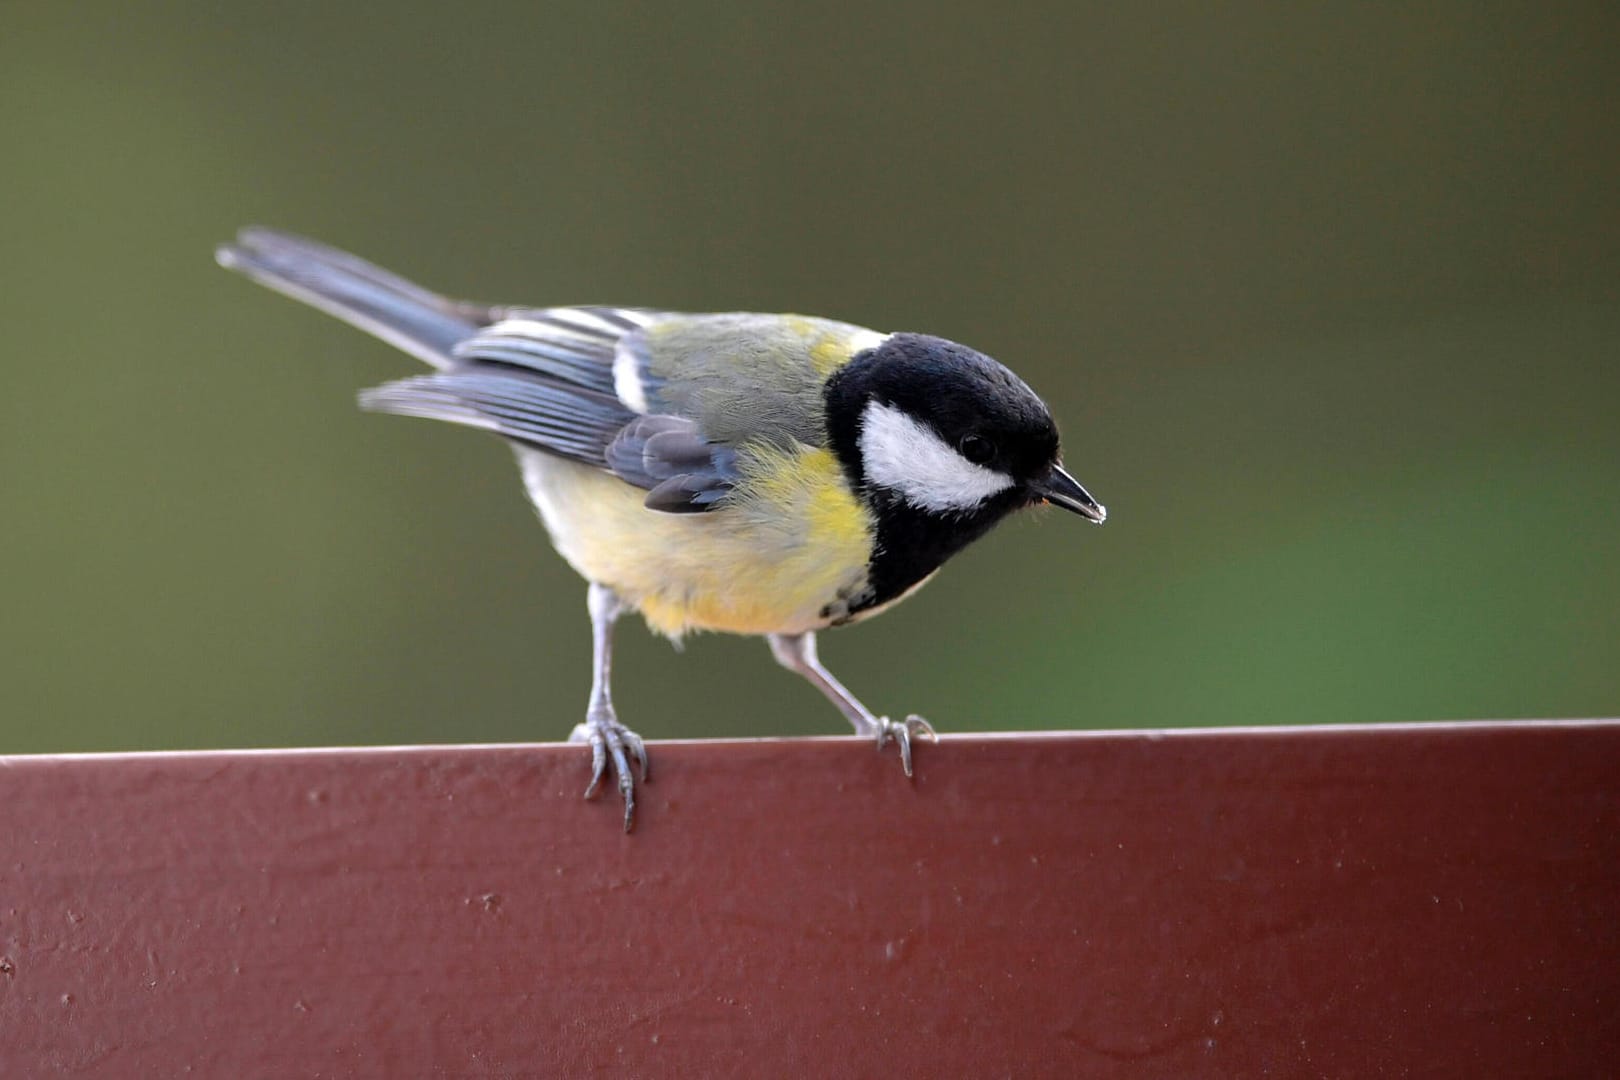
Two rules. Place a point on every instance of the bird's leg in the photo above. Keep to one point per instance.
(608, 738)
(797, 652)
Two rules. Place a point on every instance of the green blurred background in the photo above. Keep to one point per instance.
(1327, 301)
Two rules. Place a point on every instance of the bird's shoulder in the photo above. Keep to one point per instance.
(742, 376)
(694, 344)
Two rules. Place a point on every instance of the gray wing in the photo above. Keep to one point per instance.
(546, 378)
(567, 421)
(541, 377)
(668, 455)
(575, 345)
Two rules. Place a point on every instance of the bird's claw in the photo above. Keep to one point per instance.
(612, 741)
(901, 733)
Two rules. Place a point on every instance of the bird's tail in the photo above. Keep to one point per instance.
(407, 316)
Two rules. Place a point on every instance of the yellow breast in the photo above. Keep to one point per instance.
(789, 541)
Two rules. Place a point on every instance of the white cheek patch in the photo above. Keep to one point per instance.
(905, 455)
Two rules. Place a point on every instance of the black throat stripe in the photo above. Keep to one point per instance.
(912, 544)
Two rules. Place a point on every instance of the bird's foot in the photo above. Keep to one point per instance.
(611, 740)
(901, 733)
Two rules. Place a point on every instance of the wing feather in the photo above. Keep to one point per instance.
(574, 344)
(565, 420)
(670, 457)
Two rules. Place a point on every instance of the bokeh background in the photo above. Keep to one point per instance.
(1326, 298)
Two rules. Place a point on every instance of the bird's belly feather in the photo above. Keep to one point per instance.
(779, 558)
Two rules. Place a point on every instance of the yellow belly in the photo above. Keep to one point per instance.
(790, 541)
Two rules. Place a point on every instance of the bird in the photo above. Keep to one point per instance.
(773, 475)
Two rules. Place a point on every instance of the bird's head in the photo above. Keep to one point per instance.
(926, 427)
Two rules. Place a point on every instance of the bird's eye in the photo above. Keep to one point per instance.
(976, 448)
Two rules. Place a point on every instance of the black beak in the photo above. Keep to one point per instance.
(1061, 489)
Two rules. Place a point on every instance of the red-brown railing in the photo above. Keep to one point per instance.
(1426, 901)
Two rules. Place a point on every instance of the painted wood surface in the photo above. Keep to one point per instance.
(1403, 901)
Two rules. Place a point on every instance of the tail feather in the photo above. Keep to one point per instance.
(405, 315)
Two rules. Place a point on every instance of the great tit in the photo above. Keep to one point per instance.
(756, 474)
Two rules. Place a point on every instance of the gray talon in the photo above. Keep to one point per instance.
(902, 733)
(598, 760)
(638, 750)
(609, 740)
